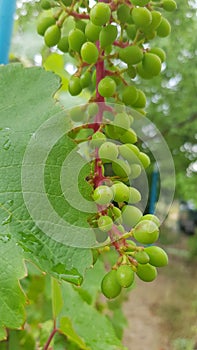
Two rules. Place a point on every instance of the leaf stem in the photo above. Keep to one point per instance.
(54, 331)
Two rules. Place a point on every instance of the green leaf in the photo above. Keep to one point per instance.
(33, 147)
(57, 301)
(94, 328)
(67, 329)
(12, 298)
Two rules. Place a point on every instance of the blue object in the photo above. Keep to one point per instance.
(7, 10)
(153, 190)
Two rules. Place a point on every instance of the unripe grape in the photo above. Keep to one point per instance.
(85, 79)
(63, 44)
(156, 19)
(105, 223)
(117, 214)
(108, 35)
(129, 95)
(135, 171)
(131, 215)
(108, 151)
(146, 272)
(151, 217)
(92, 109)
(142, 257)
(102, 195)
(52, 35)
(123, 13)
(131, 54)
(67, 2)
(120, 192)
(144, 159)
(74, 86)
(125, 276)
(121, 168)
(169, 5)
(110, 286)
(129, 136)
(141, 100)
(44, 23)
(98, 138)
(107, 87)
(151, 63)
(131, 31)
(95, 255)
(134, 196)
(111, 132)
(164, 29)
(128, 153)
(76, 39)
(45, 4)
(143, 73)
(100, 14)
(77, 114)
(157, 255)
(81, 25)
(141, 17)
(159, 52)
(92, 32)
(140, 2)
(146, 232)
(89, 52)
(131, 71)
(121, 122)
(121, 228)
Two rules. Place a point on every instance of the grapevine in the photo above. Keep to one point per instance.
(112, 44)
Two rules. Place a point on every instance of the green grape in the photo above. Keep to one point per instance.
(95, 255)
(105, 223)
(76, 39)
(74, 86)
(121, 228)
(127, 153)
(131, 71)
(94, 77)
(151, 63)
(63, 44)
(142, 257)
(135, 171)
(52, 35)
(159, 52)
(141, 100)
(141, 17)
(107, 87)
(85, 79)
(120, 192)
(143, 73)
(108, 35)
(89, 52)
(67, 2)
(117, 215)
(169, 5)
(108, 151)
(140, 2)
(131, 31)
(144, 159)
(129, 95)
(77, 114)
(121, 122)
(164, 29)
(146, 232)
(129, 136)
(98, 138)
(134, 196)
(110, 286)
(156, 19)
(125, 276)
(121, 168)
(81, 25)
(45, 4)
(92, 32)
(100, 14)
(157, 255)
(123, 13)
(151, 217)
(102, 195)
(44, 23)
(111, 132)
(92, 109)
(131, 215)
(146, 272)
(131, 54)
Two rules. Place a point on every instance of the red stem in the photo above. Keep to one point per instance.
(78, 15)
(54, 331)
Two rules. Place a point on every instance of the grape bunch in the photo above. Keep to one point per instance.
(112, 43)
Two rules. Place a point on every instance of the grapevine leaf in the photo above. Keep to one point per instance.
(57, 301)
(12, 269)
(94, 327)
(27, 105)
(67, 329)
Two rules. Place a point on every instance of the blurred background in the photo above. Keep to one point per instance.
(162, 315)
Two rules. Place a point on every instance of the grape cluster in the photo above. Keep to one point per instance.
(111, 43)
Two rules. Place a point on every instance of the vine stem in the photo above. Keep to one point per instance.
(54, 331)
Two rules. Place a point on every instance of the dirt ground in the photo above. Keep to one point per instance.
(162, 315)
